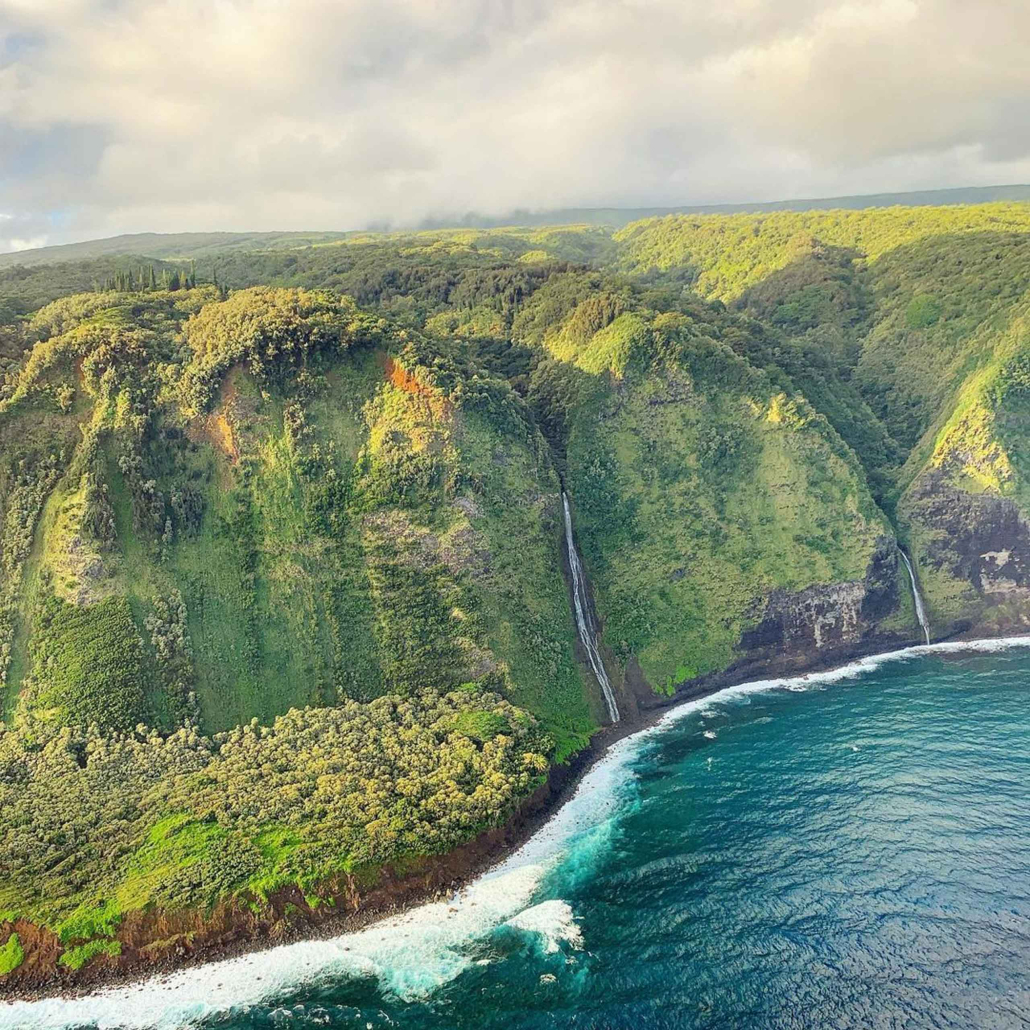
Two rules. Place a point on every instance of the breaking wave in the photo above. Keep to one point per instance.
(413, 954)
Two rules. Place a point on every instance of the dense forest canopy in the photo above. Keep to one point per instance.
(282, 598)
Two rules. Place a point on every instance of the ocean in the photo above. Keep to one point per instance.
(847, 849)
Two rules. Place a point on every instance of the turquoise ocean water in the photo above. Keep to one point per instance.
(844, 850)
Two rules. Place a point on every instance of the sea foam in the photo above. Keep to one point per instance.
(412, 954)
(552, 921)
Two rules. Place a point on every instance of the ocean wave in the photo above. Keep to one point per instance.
(412, 954)
(805, 681)
(552, 921)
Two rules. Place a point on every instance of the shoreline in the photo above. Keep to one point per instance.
(453, 874)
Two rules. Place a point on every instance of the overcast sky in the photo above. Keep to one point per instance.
(136, 115)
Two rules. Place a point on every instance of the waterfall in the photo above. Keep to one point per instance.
(584, 619)
(917, 597)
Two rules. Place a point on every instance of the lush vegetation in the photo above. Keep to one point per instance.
(724, 255)
(99, 825)
(903, 327)
(11, 955)
(281, 537)
(281, 513)
(699, 482)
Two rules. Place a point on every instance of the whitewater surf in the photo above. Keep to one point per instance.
(413, 955)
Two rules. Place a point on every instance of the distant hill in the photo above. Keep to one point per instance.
(167, 245)
(206, 244)
(619, 216)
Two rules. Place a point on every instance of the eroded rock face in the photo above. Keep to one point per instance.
(814, 617)
(818, 627)
(827, 617)
(883, 581)
(980, 538)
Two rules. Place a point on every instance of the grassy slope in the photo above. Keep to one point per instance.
(284, 611)
(699, 487)
(34, 431)
(262, 591)
(525, 604)
(727, 254)
(947, 288)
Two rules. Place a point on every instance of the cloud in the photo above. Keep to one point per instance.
(18, 233)
(130, 115)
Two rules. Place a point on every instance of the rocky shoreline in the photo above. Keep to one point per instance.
(230, 931)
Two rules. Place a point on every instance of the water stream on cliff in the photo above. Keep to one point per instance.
(846, 849)
(585, 626)
(917, 597)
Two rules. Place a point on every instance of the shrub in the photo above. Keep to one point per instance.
(922, 311)
(88, 663)
(76, 958)
(11, 955)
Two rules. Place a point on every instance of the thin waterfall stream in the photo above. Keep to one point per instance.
(917, 597)
(585, 626)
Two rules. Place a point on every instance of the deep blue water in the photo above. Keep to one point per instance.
(853, 852)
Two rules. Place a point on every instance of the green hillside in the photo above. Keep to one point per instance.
(167, 245)
(701, 491)
(268, 505)
(921, 312)
(285, 609)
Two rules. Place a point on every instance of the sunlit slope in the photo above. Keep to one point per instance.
(724, 255)
(721, 519)
(270, 502)
(899, 298)
(922, 313)
(966, 508)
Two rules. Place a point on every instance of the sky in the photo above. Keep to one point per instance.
(144, 115)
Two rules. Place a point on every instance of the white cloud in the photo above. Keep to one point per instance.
(15, 244)
(127, 115)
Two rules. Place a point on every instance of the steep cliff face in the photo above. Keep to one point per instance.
(282, 606)
(821, 621)
(302, 506)
(967, 507)
(912, 340)
(966, 513)
(974, 553)
(723, 522)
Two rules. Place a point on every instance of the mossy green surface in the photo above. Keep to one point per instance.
(693, 501)
(75, 958)
(11, 955)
